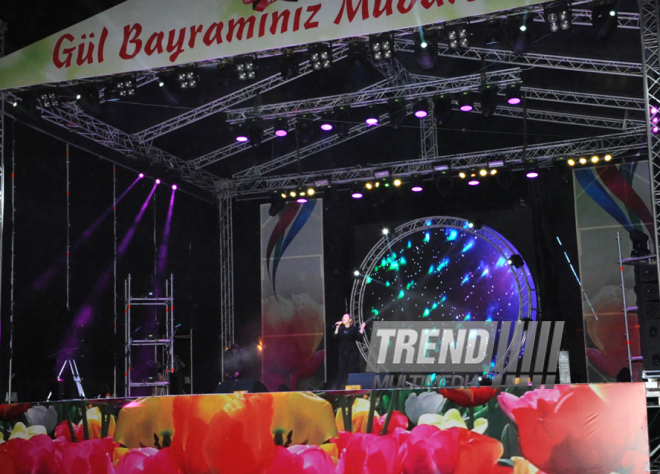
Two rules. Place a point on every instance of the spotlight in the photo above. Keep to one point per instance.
(521, 38)
(186, 78)
(607, 157)
(157, 181)
(595, 159)
(426, 48)
(240, 131)
(246, 67)
(356, 192)
(386, 231)
(416, 184)
(421, 108)
(319, 183)
(473, 182)
(382, 174)
(343, 120)
(442, 109)
(320, 56)
(516, 261)
(293, 193)
(121, 88)
(281, 127)
(356, 273)
(301, 200)
(466, 101)
(483, 172)
(255, 131)
(326, 122)
(604, 19)
(488, 101)
(396, 182)
(462, 175)
(583, 161)
(493, 172)
(369, 186)
(48, 99)
(439, 167)
(141, 175)
(640, 242)
(493, 32)
(558, 16)
(311, 192)
(571, 162)
(513, 94)
(381, 46)
(397, 111)
(532, 173)
(457, 36)
(174, 186)
(372, 116)
(305, 128)
(290, 66)
(477, 223)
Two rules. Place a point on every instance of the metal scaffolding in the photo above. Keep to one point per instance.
(162, 342)
(3, 120)
(225, 197)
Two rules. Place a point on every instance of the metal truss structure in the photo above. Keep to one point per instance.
(227, 101)
(614, 144)
(3, 120)
(225, 197)
(648, 10)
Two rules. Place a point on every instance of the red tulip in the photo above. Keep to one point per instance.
(63, 430)
(469, 397)
(11, 411)
(147, 460)
(371, 454)
(300, 459)
(398, 420)
(579, 428)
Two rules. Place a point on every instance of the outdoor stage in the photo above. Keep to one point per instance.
(563, 430)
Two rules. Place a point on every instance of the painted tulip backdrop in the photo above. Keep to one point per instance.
(568, 429)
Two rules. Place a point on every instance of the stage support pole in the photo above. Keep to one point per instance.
(3, 120)
(225, 196)
(648, 19)
(429, 134)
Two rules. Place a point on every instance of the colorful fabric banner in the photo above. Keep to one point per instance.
(609, 199)
(571, 429)
(145, 34)
(293, 298)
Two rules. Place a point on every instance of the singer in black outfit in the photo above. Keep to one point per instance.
(348, 334)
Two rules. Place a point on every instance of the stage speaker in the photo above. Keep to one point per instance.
(646, 273)
(648, 313)
(647, 291)
(241, 386)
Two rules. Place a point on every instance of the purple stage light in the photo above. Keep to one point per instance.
(242, 138)
(654, 110)
(421, 114)
(158, 181)
(466, 108)
(356, 194)
(473, 182)
(514, 101)
(655, 119)
(326, 127)
(301, 200)
(141, 175)
(416, 189)
(280, 133)
(655, 130)
(174, 186)
(532, 174)
(372, 121)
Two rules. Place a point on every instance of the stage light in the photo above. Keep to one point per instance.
(369, 186)
(442, 109)
(466, 101)
(583, 161)
(356, 192)
(305, 128)
(493, 172)
(356, 272)
(571, 162)
(326, 121)
(187, 78)
(640, 243)
(493, 31)
(292, 193)
(141, 175)
(521, 39)
(281, 127)
(605, 19)
(439, 167)
(473, 182)
(396, 182)
(396, 111)
(372, 116)
(416, 185)
(290, 66)
(421, 108)
(655, 129)
(516, 261)
(477, 223)
(48, 99)
(174, 187)
(381, 46)
(342, 120)
(426, 48)
(654, 110)
(311, 191)
(161, 83)
(386, 231)
(457, 36)
(488, 101)
(255, 131)
(301, 200)
(157, 181)
(558, 16)
(320, 183)
(595, 159)
(121, 88)
(532, 173)
(382, 174)
(513, 94)
(240, 131)
(462, 175)
(246, 67)
(483, 172)
(320, 56)
(607, 157)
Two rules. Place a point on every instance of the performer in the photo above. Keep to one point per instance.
(348, 335)
(234, 362)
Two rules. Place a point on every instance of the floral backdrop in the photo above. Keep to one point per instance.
(564, 430)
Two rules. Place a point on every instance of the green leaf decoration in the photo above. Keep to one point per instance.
(509, 440)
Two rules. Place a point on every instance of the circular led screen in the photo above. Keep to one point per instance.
(442, 269)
